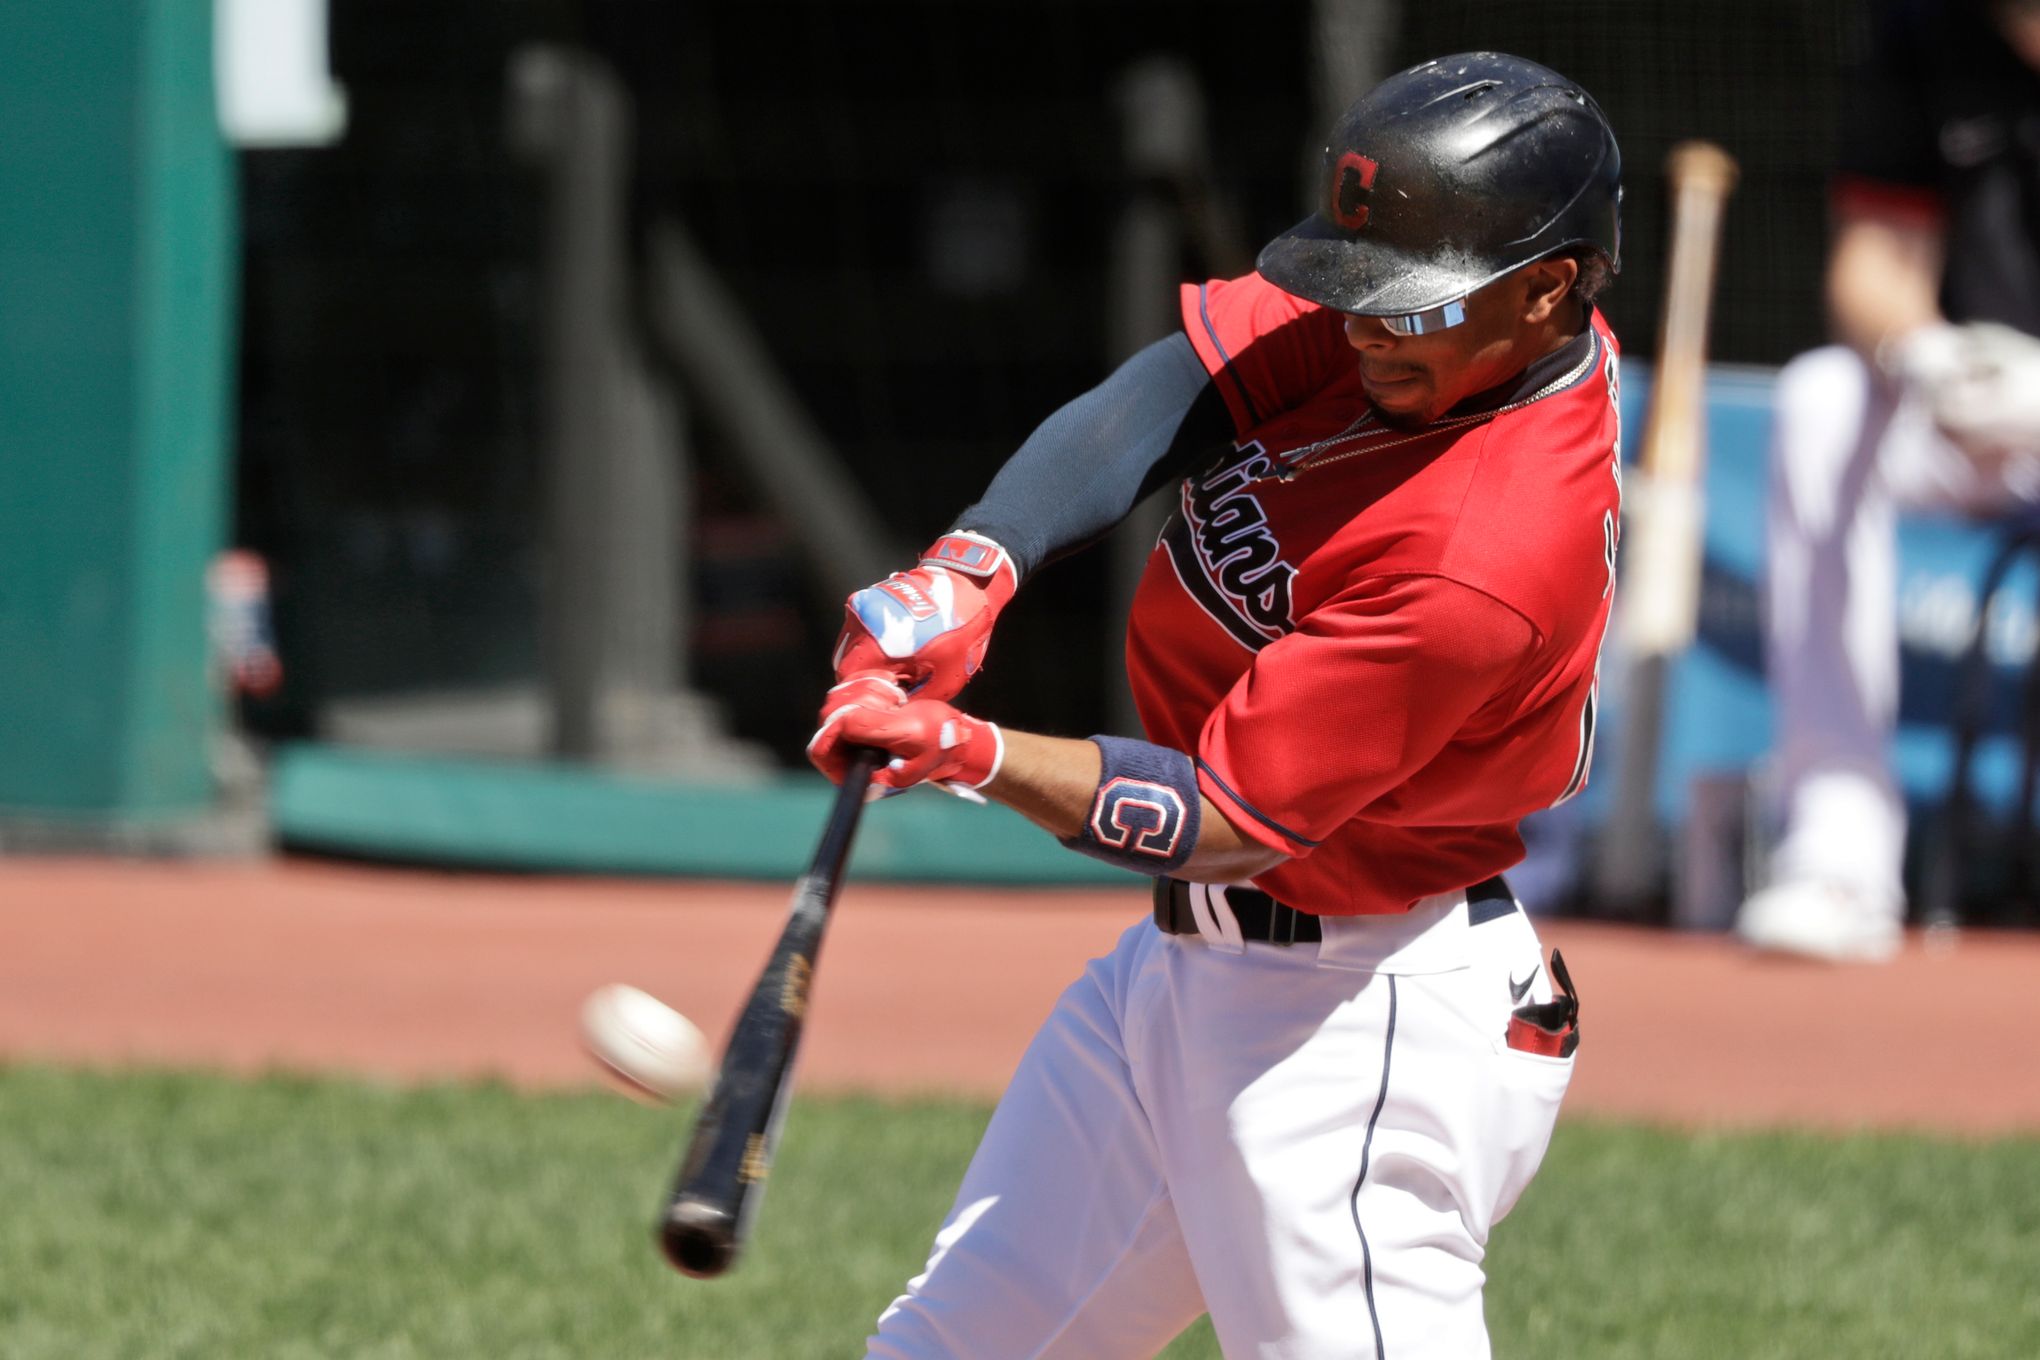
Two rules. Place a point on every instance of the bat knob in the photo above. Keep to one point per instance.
(699, 1239)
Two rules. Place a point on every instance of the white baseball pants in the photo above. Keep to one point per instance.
(1847, 452)
(1310, 1142)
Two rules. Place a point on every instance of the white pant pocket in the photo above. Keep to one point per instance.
(1529, 1088)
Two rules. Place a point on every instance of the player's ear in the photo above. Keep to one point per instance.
(1548, 283)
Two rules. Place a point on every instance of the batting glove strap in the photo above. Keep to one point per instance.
(981, 771)
(978, 557)
(1146, 811)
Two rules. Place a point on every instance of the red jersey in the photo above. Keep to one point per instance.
(1379, 644)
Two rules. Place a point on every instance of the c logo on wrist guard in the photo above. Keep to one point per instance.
(1138, 817)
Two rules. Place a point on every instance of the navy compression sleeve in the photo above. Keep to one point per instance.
(1093, 460)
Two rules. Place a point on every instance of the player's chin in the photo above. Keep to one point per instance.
(1399, 401)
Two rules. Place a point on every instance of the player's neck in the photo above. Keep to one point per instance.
(1562, 328)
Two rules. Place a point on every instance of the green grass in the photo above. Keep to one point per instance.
(179, 1215)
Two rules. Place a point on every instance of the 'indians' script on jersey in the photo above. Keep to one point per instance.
(1225, 555)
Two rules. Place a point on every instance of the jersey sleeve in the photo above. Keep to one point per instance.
(1266, 350)
(1363, 694)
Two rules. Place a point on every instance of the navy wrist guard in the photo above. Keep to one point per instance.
(1145, 814)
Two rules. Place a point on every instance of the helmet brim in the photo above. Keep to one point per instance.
(1318, 260)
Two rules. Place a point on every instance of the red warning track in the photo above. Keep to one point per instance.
(417, 976)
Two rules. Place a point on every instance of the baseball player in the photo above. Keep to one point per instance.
(1931, 399)
(1300, 1095)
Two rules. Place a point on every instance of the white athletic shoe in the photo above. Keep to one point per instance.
(1818, 919)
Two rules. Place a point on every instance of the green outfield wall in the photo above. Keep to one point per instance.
(117, 272)
(555, 818)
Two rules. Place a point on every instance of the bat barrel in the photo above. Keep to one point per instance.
(699, 1238)
(1701, 165)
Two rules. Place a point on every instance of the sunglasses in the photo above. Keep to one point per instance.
(1427, 322)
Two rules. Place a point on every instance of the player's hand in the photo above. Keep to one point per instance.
(925, 739)
(1921, 360)
(1980, 382)
(1990, 403)
(928, 628)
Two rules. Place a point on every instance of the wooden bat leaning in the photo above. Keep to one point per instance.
(1662, 547)
(721, 1180)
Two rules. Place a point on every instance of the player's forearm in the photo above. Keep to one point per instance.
(1053, 782)
(1883, 281)
(1088, 464)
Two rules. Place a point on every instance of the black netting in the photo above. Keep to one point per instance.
(914, 199)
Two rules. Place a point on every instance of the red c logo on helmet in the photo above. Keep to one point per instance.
(1351, 180)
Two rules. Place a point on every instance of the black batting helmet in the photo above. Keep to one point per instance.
(1447, 176)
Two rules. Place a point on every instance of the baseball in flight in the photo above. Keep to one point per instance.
(653, 1049)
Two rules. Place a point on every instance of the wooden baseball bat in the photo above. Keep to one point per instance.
(721, 1180)
(1662, 545)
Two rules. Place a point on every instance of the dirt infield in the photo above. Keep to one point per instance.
(416, 975)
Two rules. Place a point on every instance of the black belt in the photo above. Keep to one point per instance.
(1267, 921)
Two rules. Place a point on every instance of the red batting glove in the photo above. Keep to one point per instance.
(925, 739)
(928, 628)
(873, 691)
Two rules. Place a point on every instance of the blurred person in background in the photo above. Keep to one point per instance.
(1930, 399)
